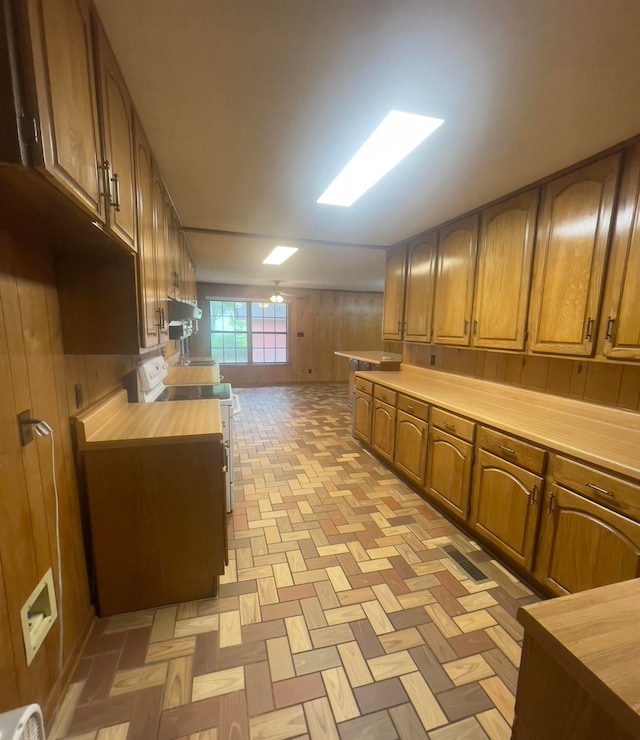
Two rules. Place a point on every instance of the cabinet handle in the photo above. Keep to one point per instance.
(162, 318)
(423, 433)
(466, 327)
(449, 426)
(534, 490)
(409, 408)
(115, 198)
(508, 450)
(550, 504)
(587, 333)
(475, 328)
(399, 326)
(159, 312)
(610, 322)
(600, 490)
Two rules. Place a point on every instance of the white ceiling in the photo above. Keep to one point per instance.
(253, 106)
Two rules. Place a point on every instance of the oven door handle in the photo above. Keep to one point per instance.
(235, 404)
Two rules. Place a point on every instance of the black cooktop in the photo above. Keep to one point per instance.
(219, 391)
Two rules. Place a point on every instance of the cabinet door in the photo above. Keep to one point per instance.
(505, 253)
(149, 308)
(392, 316)
(621, 320)
(60, 35)
(584, 545)
(117, 134)
(573, 231)
(160, 248)
(420, 284)
(411, 446)
(506, 502)
(448, 478)
(383, 428)
(454, 282)
(362, 408)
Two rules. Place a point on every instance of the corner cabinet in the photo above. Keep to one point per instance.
(505, 254)
(455, 275)
(573, 234)
(621, 320)
(393, 302)
(418, 310)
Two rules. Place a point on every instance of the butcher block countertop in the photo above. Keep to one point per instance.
(606, 437)
(192, 375)
(594, 636)
(116, 423)
(377, 357)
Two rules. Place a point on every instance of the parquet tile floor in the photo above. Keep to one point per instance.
(339, 615)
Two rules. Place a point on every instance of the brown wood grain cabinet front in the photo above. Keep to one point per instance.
(393, 304)
(620, 325)
(505, 254)
(571, 248)
(411, 446)
(362, 414)
(383, 424)
(448, 477)
(421, 263)
(455, 276)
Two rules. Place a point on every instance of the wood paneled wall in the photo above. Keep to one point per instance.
(329, 319)
(610, 384)
(32, 370)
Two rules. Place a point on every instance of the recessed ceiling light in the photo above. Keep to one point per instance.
(279, 255)
(397, 135)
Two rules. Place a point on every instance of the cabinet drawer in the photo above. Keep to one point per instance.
(453, 424)
(612, 492)
(514, 450)
(385, 394)
(411, 406)
(366, 386)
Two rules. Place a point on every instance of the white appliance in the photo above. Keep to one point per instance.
(151, 388)
(24, 723)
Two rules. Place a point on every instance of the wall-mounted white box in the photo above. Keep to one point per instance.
(38, 615)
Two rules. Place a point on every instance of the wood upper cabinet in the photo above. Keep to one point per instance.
(418, 311)
(573, 232)
(149, 303)
(411, 446)
(456, 265)
(505, 508)
(393, 303)
(584, 545)
(448, 477)
(505, 254)
(67, 142)
(117, 137)
(621, 318)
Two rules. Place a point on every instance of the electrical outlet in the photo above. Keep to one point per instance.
(300, 333)
(432, 360)
(78, 391)
(309, 371)
(26, 430)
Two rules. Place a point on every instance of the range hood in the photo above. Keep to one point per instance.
(179, 311)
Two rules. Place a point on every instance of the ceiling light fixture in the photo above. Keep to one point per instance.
(397, 135)
(276, 296)
(279, 255)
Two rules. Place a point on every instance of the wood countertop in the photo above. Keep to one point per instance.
(606, 437)
(594, 635)
(377, 357)
(192, 375)
(116, 423)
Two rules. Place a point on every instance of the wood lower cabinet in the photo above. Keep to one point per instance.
(448, 478)
(421, 262)
(411, 446)
(383, 428)
(393, 302)
(505, 254)
(572, 239)
(454, 282)
(584, 545)
(621, 319)
(506, 505)
(362, 415)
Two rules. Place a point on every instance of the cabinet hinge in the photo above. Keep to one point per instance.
(36, 131)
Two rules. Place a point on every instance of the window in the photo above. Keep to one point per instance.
(248, 332)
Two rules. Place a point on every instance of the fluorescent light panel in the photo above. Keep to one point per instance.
(279, 255)
(397, 135)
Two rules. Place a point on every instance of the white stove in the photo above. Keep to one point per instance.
(151, 388)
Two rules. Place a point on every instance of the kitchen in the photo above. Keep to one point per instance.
(51, 344)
